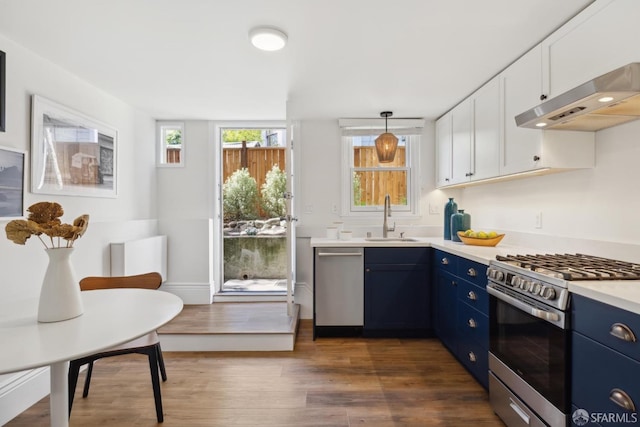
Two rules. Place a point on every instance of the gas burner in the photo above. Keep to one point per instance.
(575, 266)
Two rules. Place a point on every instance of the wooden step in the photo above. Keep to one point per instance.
(232, 326)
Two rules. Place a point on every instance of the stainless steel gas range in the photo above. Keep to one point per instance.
(529, 348)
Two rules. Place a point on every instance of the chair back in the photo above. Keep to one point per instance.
(143, 281)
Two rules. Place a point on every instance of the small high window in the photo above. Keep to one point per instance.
(170, 143)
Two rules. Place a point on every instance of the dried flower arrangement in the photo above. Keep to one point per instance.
(44, 218)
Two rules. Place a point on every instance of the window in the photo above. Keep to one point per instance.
(170, 143)
(366, 182)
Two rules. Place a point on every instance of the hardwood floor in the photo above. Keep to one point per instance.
(327, 382)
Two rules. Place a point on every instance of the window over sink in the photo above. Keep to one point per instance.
(365, 181)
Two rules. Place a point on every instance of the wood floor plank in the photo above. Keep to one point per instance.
(328, 382)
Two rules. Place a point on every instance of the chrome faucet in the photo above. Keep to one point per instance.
(387, 213)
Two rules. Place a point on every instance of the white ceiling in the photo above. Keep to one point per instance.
(191, 59)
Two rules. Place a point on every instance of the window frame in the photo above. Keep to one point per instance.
(161, 144)
(411, 209)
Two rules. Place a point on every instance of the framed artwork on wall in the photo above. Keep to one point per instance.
(12, 167)
(71, 153)
(3, 82)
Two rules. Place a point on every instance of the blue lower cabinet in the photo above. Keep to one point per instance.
(397, 295)
(461, 306)
(473, 325)
(446, 308)
(475, 358)
(605, 383)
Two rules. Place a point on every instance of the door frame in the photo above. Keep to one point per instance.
(217, 238)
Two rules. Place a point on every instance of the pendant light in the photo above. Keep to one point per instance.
(386, 143)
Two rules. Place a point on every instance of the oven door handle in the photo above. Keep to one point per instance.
(536, 312)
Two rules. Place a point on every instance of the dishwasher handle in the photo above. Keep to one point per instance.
(339, 253)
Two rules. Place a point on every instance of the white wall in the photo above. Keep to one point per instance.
(185, 206)
(599, 204)
(129, 216)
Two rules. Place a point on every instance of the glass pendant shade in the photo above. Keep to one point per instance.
(386, 145)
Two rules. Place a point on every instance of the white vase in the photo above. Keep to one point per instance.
(60, 294)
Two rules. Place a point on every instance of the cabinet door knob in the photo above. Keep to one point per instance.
(543, 97)
(453, 283)
(472, 272)
(444, 261)
(472, 323)
(536, 158)
(623, 332)
(622, 399)
(472, 356)
(472, 296)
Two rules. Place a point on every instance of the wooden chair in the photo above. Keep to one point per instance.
(148, 344)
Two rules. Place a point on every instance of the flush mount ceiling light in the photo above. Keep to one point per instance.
(386, 143)
(268, 38)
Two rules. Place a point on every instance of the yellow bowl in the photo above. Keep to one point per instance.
(479, 242)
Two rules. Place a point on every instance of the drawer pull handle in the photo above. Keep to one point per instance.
(472, 356)
(623, 332)
(472, 323)
(472, 296)
(444, 261)
(622, 399)
(519, 411)
(472, 272)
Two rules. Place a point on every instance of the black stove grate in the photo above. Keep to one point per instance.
(575, 266)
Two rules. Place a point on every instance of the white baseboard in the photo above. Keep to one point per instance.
(21, 391)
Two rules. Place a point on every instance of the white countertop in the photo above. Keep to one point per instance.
(624, 294)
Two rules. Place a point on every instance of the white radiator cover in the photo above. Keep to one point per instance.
(139, 256)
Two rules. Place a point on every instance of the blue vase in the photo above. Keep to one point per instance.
(449, 209)
(460, 221)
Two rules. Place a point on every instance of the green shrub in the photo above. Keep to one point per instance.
(240, 196)
(273, 202)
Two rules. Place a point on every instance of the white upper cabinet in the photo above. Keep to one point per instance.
(443, 150)
(605, 36)
(461, 142)
(468, 138)
(486, 125)
(525, 150)
(521, 90)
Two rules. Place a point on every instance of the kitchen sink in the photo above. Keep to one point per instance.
(390, 239)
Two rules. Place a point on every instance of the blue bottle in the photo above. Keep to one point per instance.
(449, 209)
(460, 221)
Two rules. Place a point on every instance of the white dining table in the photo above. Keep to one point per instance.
(111, 317)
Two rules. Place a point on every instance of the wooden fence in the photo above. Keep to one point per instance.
(373, 185)
(258, 161)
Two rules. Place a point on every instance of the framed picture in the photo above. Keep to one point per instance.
(12, 163)
(71, 154)
(3, 81)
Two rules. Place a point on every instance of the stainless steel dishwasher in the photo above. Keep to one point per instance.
(338, 291)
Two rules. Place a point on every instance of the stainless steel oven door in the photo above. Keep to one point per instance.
(531, 341)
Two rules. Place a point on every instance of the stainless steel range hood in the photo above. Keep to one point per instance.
(608, 100)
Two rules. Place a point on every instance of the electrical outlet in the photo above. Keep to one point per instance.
(539, 220)
(434, 209)
(334, 208)
(308, 208)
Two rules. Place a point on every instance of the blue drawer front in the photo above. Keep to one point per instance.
(396, 255)
(597, 371)
(473, 325)
(446, 261)
(596, 320)
(472, 271)
(473, 295)
(475, 358)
